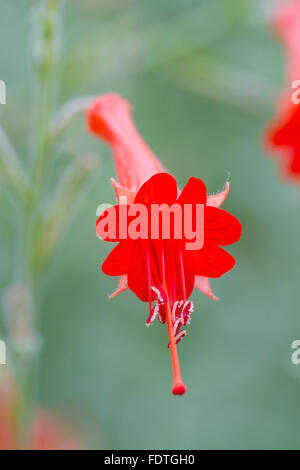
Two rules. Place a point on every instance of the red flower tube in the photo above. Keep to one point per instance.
(162, 272)
(282, 135)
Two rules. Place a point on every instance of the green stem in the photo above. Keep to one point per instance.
(27, 363)
(46, 61)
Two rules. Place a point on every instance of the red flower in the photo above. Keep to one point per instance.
(283, 134)
(46, 431)
(162, 272)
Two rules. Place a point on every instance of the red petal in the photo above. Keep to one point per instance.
(189, 283)
(295, 163)
(117, 262)
(285, 131)
(137, 275)
(194, 192)
(208, 262)
(123, 285)
(220, 227)
(202, 284)
(283, 135)
(160, 188)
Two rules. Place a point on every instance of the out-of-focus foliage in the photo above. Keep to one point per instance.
(201, 76)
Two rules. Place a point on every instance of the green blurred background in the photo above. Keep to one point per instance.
(201, 76)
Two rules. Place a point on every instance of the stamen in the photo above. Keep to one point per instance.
(180, 335)
(153, 315)
(160, 300)
(176, 305)
(178, 386)
(159, 294)
(177, 326)
(186, 312)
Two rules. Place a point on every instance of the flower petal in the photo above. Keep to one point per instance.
(209, 262)
(194, 192)
(202, 284)
(123, 285)
(189, 282)
(216, 200)
(283, 132)
(118, 261)
(137, 275)
(282, 135)
(220, 227)
(160, 188)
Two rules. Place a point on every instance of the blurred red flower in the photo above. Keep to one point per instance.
(47, 431)
(159, 270)
(50, 432)
(283, 135)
